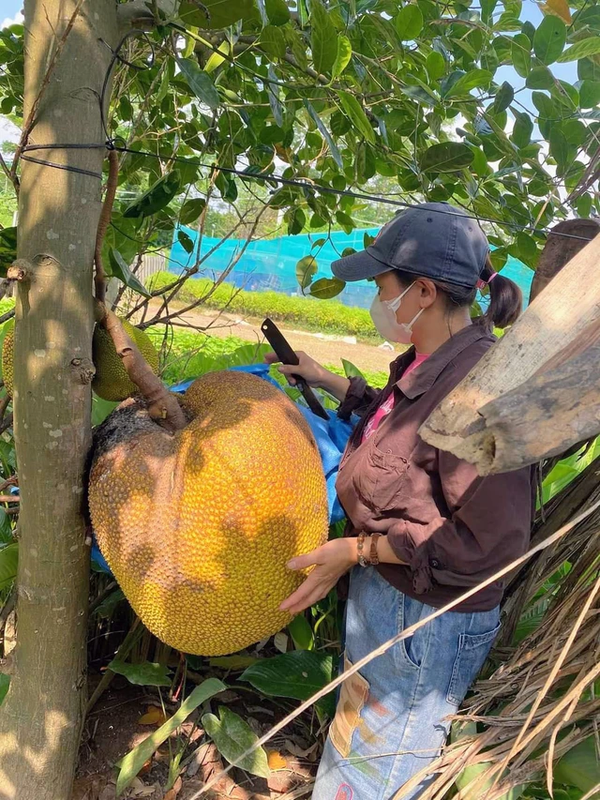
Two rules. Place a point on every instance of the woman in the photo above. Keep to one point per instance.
(423, 527)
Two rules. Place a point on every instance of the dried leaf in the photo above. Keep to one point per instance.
(154, 716)
(172, 793)
(280, 640)
(276, 760)
(560, 8)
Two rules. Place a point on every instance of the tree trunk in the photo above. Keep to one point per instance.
(40, 720)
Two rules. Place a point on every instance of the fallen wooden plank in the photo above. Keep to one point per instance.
(555, 320)
(544, 416)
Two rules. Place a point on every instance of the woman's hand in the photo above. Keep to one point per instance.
(309, 369)
(313, 373)
(331, 560)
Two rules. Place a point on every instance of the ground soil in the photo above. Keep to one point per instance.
(114, 728)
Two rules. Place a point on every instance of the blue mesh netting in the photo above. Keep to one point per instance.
(270, 264)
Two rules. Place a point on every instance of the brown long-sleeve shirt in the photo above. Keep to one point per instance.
(450, 526)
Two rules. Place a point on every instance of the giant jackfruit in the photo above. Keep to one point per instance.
(198, 527)
(111, 381)
(8, 353)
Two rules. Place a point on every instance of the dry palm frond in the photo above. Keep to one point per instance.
(540, 702)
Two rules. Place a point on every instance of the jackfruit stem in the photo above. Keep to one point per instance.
(163, 406)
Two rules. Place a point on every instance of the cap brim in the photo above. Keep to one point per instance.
(358, 267)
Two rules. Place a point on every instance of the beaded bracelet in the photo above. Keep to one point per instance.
(359, 549)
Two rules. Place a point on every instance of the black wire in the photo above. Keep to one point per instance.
(110, 144)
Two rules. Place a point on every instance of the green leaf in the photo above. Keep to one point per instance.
(295, 219)
(521, 54)
(277, 12)
(215, 14)
(323, 38)
(409, 22)
(306, 269)
(8, 248)
(583, 49)
(144, 674)
(333, 149)
(185, 241)
(504, 97)
(346, 221)
(343, 56)
(540, 78)
(233, 737)
(118, 267)
(549, 39)
(473, 79)
(436, 65)
(191, 210)
(4, 686)
(9, 561)
(301, 632)
(157, 197)
(272, 41)
(350, 370)
(559, 147)
(199, 82)
(487, 9)
(132, 763)
(353, 109)
(522, 130)
(108, 606)
(580, 766)
(340, 124)
(446, 157)
(298, 674)
(527, 247)
(589, 94)
(326, 288)
(216, 59)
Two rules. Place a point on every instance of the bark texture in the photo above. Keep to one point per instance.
(41, 718)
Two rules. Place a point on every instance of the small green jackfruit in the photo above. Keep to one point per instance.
(111, 381)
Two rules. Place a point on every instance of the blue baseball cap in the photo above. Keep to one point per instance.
(431, 240)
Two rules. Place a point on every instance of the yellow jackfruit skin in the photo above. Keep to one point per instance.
(198, 527)
(111, 381)
(8, 352)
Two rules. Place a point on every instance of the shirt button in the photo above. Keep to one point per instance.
(433, 562)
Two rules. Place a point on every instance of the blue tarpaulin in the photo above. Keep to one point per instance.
(330, 435)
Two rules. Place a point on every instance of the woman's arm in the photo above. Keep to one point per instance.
(330, 562)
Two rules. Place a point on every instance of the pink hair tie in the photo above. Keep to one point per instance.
(481, 284)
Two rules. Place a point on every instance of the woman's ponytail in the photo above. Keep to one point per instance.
(506, 299)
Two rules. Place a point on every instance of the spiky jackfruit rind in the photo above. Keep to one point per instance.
(8, 354)
(198, 527)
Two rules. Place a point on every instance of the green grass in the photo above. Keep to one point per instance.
(191, 354)
(328, 316)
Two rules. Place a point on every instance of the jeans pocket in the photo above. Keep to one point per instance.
(411, 650)
(472, 652)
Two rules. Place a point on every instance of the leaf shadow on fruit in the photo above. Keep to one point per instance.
(196, 527)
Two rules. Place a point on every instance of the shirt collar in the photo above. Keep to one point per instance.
(420, 380)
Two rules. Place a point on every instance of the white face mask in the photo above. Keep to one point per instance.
(383, 314)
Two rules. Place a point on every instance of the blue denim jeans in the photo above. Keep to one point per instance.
(391, 717)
